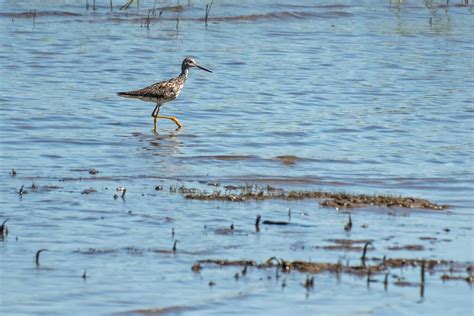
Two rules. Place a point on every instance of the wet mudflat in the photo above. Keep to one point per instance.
(324, 167)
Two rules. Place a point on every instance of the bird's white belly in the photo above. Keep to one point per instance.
(148, 99)
(155, 100)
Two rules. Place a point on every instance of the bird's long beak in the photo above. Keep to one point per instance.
(201, 67)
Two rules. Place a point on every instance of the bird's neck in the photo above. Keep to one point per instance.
(184, 72)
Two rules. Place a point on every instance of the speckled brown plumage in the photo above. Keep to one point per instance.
(160, 92)
(164, 91)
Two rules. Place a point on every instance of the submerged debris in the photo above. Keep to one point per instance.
(337, 268)
(288, 160)
(196, 267)
(469, 279)
(407, 247)
(159, 310)
(349, 242)
(329, 199)
(94, 251)
(404, 283)
(341, 246)
(428, 238)
(268, 222)
(88, 191)
(231, 230)
(35, 188)
(227, 262)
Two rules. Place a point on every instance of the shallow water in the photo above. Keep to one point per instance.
(363, 97)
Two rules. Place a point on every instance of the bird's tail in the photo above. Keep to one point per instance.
(126, 94)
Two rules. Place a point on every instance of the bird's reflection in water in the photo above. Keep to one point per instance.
(163, 144)
(158, 152)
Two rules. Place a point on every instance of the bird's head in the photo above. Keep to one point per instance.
(190, 62)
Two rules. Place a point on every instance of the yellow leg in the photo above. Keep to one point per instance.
(172, 118)
(155, 115)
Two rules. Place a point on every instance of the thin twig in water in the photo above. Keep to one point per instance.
(208, 9)
(348, 226)
(22, 191)
(38, 256)
(365, 252)
(148, 19)
(177, 24)
(174, 245)
(154, 8)
(257, 223)
(309, 283)
(422, 276)
(244, 271)
(126, 5)
(422, 272)
(4, 229)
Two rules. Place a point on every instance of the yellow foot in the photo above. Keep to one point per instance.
(175, 120)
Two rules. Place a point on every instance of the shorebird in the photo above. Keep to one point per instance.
(164, 91)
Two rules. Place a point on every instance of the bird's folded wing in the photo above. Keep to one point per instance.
(160, 90)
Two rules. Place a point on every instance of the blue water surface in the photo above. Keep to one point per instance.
(368, 96)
